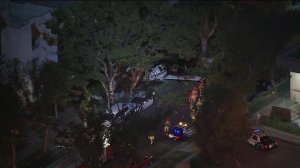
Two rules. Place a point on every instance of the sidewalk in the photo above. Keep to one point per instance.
(182, 153)
(285, 136)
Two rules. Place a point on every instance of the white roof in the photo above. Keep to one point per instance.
(106, 123)
(116, 108)
(20, 13)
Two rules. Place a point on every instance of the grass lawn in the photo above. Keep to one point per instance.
(264, 100)
(174, 92)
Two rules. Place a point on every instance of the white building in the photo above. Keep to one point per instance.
(24, 37)
(25, 34)
(295, 87)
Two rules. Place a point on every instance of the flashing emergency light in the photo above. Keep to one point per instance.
(256, 130)
(182, 124)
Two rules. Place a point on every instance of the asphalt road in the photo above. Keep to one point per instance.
(287, 155)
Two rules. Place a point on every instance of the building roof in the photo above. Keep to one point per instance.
(19, 14)
(51, 3)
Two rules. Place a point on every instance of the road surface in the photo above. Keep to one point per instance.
(287, 155)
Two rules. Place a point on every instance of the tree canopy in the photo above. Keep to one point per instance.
(11, 125)
(222, 123)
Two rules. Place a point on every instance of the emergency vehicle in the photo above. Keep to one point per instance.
(261, 140)
(181, 131)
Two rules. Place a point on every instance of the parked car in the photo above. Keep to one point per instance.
(181, 131)
(261, 140)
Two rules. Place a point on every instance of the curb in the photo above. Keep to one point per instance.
(286, 141)
(269, 130)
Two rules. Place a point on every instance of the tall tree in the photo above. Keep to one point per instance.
(11, 125)
(280, 26)
(50, 90)
(247, 43)
(188, 27)
(99, 38)
(221, 125)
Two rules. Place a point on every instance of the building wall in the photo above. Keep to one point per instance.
(295, 87)
(16, 43)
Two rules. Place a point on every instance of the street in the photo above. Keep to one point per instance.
(286, 155)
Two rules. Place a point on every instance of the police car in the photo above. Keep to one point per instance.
(261, 140)
(180, 131)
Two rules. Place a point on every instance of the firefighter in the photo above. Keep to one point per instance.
(167, 125)
(151, 137)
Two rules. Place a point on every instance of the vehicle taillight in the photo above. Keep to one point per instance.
(166, 133)
(276, 142)
(177, 137)
(266, 146)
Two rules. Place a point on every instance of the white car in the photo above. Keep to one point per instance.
(157, 73)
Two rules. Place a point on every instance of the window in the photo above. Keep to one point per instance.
(254, 137)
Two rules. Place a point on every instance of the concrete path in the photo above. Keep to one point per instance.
(187, 146)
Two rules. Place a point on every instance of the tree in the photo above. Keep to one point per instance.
(52, 85)
(221, 125)
(11, 125)
(246, 44)
(88, 140)
(50, 90)
(188, 27)
(18, 77)
(287, 26)
(128, 135)
(144, 31)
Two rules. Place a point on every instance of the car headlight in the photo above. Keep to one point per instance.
(171, 136)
